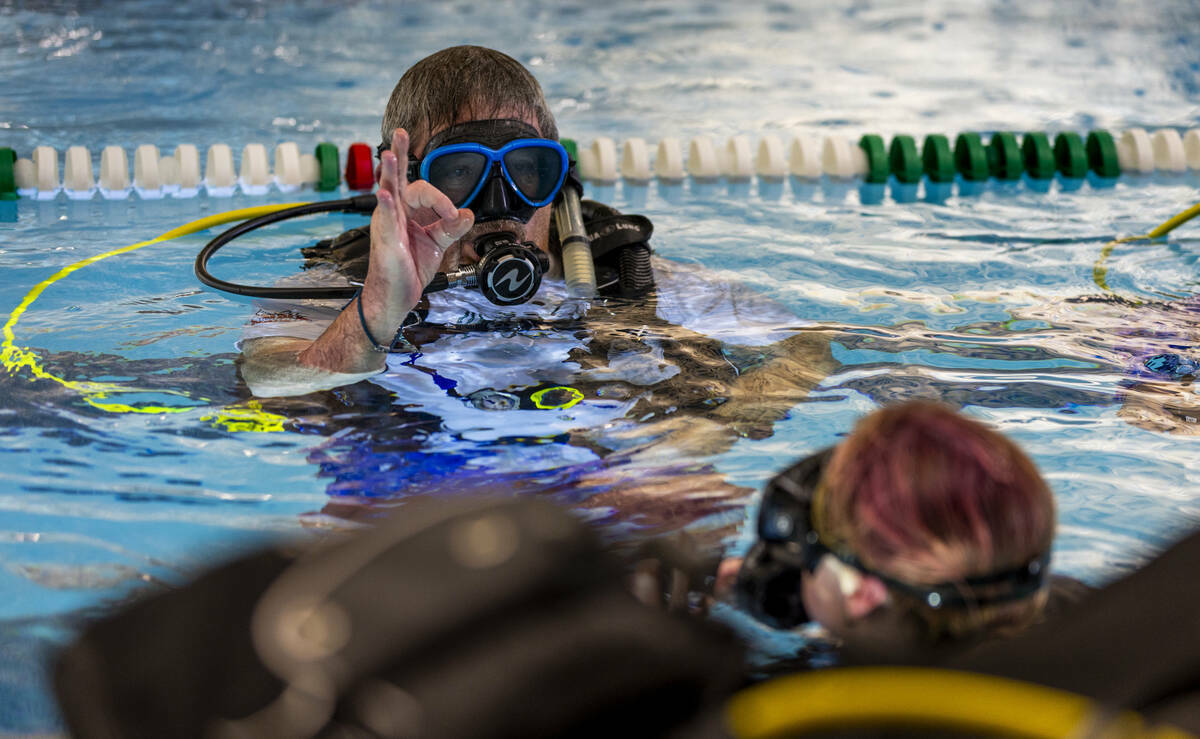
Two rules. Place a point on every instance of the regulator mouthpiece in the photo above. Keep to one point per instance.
(509, 272)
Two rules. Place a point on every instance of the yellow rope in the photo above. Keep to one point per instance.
(251, 417)
(1100, 271)
(97, 394)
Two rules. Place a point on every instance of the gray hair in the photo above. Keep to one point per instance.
(469, 82)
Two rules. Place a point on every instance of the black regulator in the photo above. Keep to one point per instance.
(508, 273)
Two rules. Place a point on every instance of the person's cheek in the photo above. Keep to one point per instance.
(822, 599)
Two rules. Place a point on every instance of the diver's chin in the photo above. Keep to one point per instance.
(468, 254)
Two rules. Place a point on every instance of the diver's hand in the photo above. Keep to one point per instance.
(411, 227)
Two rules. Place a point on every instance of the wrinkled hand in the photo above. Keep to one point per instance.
(411, 228)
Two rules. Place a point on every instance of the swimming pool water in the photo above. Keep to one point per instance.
(982, 299)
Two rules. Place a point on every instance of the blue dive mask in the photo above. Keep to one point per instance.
(500, 169)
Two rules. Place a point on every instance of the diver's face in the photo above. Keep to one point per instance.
(536, 230)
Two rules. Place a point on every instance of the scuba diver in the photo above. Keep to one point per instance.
(665, 357)
(921, 533)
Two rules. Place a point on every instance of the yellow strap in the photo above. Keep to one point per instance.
(1100, 271)
(921, 697)
(15, 358)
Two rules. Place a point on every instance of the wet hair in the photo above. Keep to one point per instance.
(464, 83)
(926, 495)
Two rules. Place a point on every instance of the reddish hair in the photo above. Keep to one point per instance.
(926, 495)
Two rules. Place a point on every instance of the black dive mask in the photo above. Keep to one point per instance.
(769, 582)
(499, 169)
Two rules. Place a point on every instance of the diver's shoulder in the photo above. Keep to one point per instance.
(1065, 593)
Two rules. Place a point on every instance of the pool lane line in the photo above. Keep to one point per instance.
(1100, 271)
(249, 417)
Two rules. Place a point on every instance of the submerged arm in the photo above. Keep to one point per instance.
(765, 394)
(274, 367)
(663, 477)
(758, 397)
(761, 394)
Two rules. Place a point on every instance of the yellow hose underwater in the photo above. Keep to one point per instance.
(249, 417)
(1100, 272)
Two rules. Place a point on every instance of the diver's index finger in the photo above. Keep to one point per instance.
(421, 194)
(400, 149)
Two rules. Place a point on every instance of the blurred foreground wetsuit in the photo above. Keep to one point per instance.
(480, 619)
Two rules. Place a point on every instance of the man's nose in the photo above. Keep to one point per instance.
(492, 202)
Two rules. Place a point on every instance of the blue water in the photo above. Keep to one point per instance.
(968, 296)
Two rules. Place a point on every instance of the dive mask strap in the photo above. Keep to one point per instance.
(1021, 582)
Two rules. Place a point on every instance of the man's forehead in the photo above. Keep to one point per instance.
(461, 123)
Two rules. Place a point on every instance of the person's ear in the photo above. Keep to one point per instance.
(869, 595)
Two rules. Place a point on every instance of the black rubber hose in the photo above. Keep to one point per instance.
(357, 204)
(637, 276)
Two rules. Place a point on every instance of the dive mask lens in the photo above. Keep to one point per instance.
(535, 169)
(457, 174)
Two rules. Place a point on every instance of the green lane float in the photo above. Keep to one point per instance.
(1037, 155)
(971, 158)
(1102, 154)
(1004, 156)
(1070, 156)
(328, 169)
(571, 147)
(905, 162)
(937, 159)
(8, 174)
(877, 160)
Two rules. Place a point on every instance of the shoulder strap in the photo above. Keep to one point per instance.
(609, 229)
(620, 250)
